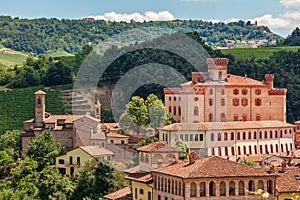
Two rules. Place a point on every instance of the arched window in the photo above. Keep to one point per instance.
(249, 135)
(271, 134)
(266, 134)
(220, 75)
(196, 111)
(276, 134)
(286, 147)
(276, 147)
(244, 103)
(260, 149)
(235, 91)
(257, 91)
(222, 188)
(255, 149)
(258, 117)
(212, 151)
(174, 110)
(251, 186)
(245, 150)
(219, 136)
(266, 149)
(231, 188)
(225, 136)
(174, 98)
(169, 186)
(235, 117)
(166, 182)
(232, 151)
(179, 110)
(232, 135)
(172, 187)
(241, 188)
(212, 188)
(39, 101)
(254, 135)
(170, 109)
(238, 136)
(244, 92)
(250, 150)
(179, 188)
(226, 151)
(270, 186)
(260, 135)
(210, 117)
(176, 188)
(260, 185)
(219, 151)
(170, 98)
(244, 135)
(239, 150)
(193, 189)
(235, 102)
(271, 148)
(141, 191)
(281, 133)
(258, 102)
(202, 189)
(291, 146)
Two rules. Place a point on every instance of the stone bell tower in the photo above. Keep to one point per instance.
(98, 110)
(39, 108)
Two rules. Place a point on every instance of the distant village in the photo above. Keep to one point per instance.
(224, 119)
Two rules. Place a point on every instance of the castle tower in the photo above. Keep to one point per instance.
(98, 110)
(269, 79)
(39, 108)
(217, 68)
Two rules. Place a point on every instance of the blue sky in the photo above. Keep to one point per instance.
(281, 16)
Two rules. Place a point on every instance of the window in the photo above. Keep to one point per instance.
(244, 91)
(78, 160)
(266, 134)
(39, 101)
(210, 117)
(241, 188)
(111, 141)
(212, 138)
(174, 98)
(61, 161)
(260, 135)
(225, 136)
(141, 191)
(71, 160)
(196, 137)
(220, 75)
(226, 151)
(238, 136)
(222, 117)
(270, 186)
(235, 91)
(235, 117)
(179, 110)
(257, 91)
(222, 188)
(231, 188)
(170, 109)
(244, 117)
(210, 91)
(222, 91)
(271, 134)
(244, 102)
(196, 111)
(235, 102)
(196, 98)
(186, 137)
(222, 102)
(210, 102)
(201, 137)
(212, 188)
(174, 110)
(170, 99)
(244, 135)
(219, 136)
(258, 102)
(245, 150)
(257, 117)
(192, 137)
(232, 135)
(232, 151)
(254, 135)
(249, 135)
(202, 189)
(193, 189)
(135, 193)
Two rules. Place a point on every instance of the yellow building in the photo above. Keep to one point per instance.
(288, 183)
(71, 163)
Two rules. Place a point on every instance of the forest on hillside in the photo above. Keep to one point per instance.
(45, 36)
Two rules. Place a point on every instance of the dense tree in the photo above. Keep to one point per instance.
(58, 74)
(293, 39)
(44, 149)
(184, 149)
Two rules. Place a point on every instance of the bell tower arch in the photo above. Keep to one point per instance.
(39, 108)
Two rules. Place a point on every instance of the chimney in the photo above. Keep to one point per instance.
(191, 155)
(283, 166)
(269, 79)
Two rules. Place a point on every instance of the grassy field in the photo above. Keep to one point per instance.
(10, 58)
(17, 105)
(257, 53)
(60, 54)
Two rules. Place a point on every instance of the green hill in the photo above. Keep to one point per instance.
(17, 105)
(42, 35)
(10, 57)
(257, 53)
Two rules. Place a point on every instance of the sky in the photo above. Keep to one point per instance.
(281, 16)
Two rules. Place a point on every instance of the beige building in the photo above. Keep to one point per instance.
(74, 161)
(215, 96)
(211, 178)
(227, 115)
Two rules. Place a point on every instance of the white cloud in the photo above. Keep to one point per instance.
(232, 20)
(148, 16)
(295, 15)
(290, 3)
(273, 22)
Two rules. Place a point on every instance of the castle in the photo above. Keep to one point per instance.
(228, 115)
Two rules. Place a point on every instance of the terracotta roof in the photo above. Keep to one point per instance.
(40, 92)
(226, 125)
(96, 151)
(286, 182)
(158, 147)
(29, 120)
(67, 118)
(116, 135)
(255, 158)
(135, 169)
(209, 167)
(119, 193)
(241, 80)
(141, 177)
